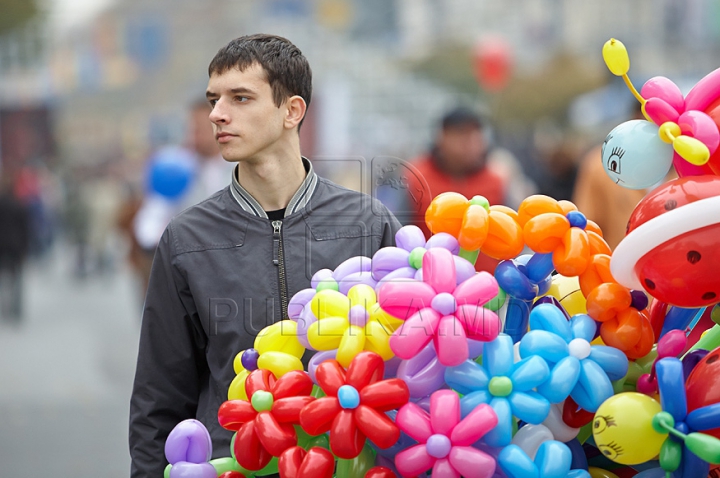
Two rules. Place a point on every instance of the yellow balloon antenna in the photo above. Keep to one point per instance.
(616, 58)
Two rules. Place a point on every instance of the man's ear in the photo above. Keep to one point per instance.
(296, 108)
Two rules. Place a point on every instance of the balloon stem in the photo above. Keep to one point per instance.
(632, 89)
(470, 256)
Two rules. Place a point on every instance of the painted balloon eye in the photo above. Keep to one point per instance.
(616, 155)
(602, 422)
(612, 450)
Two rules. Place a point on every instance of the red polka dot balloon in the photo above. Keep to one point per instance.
(672, 246)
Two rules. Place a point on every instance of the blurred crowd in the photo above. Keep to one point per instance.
(111, 214)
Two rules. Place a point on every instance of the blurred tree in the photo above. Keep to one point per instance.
(16, 13)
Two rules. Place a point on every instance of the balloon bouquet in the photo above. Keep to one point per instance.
(557, 365)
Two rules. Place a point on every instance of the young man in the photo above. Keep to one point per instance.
(226, 268)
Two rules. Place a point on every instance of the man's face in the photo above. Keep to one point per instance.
(461, 147)
(246, 121)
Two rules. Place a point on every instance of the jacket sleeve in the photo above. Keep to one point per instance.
(169, 365)
(390, 226)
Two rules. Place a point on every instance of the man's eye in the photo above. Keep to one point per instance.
(241, 99)
(212, 103)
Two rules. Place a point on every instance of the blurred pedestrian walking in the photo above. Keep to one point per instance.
(14, 246)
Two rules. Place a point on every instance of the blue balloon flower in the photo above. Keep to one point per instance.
(553, 460)
(579, 370)
(506, 386)
(673, 399)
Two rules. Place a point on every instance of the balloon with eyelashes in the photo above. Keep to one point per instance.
(634, 156)
(623, 429)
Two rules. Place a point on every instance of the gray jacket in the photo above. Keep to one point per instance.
(222, 272)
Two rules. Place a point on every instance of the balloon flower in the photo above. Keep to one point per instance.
(444, 440)
(578, 369)
(353, 271)
(350, 324)
(438, 309)
(355, 404)
(675, 456)
(557, 227)
(276, 348)
(264, 425)
(188, 449)
(478, 227)
(409, 238)
(506, 386)
(689, 125)
(523, 280)
(553, 459)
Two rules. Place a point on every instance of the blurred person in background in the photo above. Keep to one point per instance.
(144, 217)
(557, 153)
(14, 247)
(459, 161)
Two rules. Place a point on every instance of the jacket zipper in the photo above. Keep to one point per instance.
(278, 260)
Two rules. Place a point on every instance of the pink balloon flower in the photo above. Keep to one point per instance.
(445, 441)
(438, 309)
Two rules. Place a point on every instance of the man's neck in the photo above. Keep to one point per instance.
(272, 181)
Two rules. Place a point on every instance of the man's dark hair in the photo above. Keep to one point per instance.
(287, 70)
(461, 116)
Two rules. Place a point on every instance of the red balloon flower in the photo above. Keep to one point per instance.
(355, 404)
(264, 425)
(317, 462)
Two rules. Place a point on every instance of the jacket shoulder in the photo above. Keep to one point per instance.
(210, 224)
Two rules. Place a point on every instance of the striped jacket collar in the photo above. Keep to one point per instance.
(299, 200)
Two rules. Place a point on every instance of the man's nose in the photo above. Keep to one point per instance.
(218, 114)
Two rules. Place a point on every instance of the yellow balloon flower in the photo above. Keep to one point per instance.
(276, 348)
(616, 57)
(351, 323)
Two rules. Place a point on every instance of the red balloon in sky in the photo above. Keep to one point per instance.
(492, 63)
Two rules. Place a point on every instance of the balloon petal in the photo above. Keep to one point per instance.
(547, 345)
(467, 377)
(583, 326)
(415, 422)
(474, 426)
(529, 373)
(550, 318)
(415, 333)
(414, 460)
(529, 407)
(501, 435)
(498, 356)
(471, 462)
(480, 323)
(563, 379)
(451, 342)
(611, 360)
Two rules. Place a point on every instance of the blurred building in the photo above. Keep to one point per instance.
(119, 79)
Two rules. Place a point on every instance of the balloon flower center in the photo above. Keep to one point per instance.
(500, 386)
(444, 303)
(262, 401)
(327, 283)
(249, 359)
(480, 201)
(438, 446)
(416, 256)
(579, 348)
(348, 397)
(576, 219)
(358, 315)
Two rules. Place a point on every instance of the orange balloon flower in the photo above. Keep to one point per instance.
(476, 225)
(557, 227)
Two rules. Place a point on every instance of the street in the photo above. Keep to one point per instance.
(66, 373)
